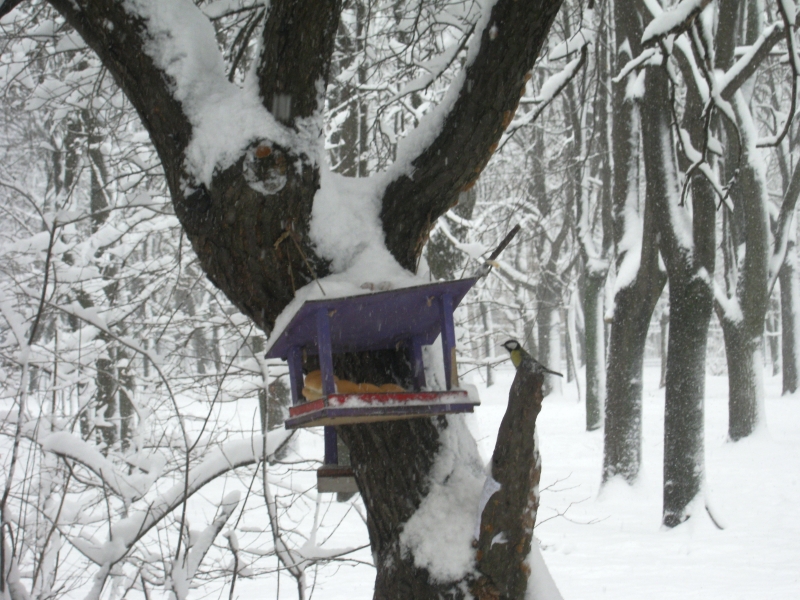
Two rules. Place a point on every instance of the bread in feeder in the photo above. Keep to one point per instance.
(368, 388)
(313, 385)
(343, 386)
(388, 388)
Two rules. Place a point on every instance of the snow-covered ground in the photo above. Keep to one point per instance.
(609, 543)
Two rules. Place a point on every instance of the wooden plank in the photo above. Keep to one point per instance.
(325, 352)
(418, 363)
(331, 446)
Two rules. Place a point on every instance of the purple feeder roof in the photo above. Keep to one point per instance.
(372, 321)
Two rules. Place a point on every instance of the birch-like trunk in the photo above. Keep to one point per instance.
(790, 305)
(595, 350)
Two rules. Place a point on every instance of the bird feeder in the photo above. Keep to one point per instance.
(410, 317)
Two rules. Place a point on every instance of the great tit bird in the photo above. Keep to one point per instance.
(523, 360)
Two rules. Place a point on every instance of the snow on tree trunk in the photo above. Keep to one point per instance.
(742, 313)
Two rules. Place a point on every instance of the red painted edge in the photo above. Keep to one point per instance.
(374, 398)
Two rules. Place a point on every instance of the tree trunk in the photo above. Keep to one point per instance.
(745, 356)
(691, 306)
(636, 298)
(690, 265)
(549, 328)
(507, 520)
(623, 418)
(747, 233)
(595, 349)
(790, 304)
(488, 349)
(664, 323)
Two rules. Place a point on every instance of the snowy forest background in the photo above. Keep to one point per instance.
(651, 165)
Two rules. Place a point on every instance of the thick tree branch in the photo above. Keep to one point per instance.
(751, 61)
(237, 215)
(296, 33)
(6, 6)
(485, 106)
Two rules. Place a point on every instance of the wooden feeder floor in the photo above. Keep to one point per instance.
(350, 409)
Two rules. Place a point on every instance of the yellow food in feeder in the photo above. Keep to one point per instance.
(313, 387)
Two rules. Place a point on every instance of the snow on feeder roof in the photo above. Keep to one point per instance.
(372, 321)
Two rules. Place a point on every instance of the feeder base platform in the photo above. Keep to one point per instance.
(349, 409)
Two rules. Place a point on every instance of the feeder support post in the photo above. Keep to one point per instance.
(328, 383)
(331, 446)
(325, 352)
(448, 340)
(418, 363)
(295, 360)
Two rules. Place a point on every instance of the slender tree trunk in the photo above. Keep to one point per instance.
(595, 350)
(790, 304)
(664, 323)
(549, 321)
(488, 350)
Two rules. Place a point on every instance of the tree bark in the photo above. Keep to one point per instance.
(507, 520)
(745, 357)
